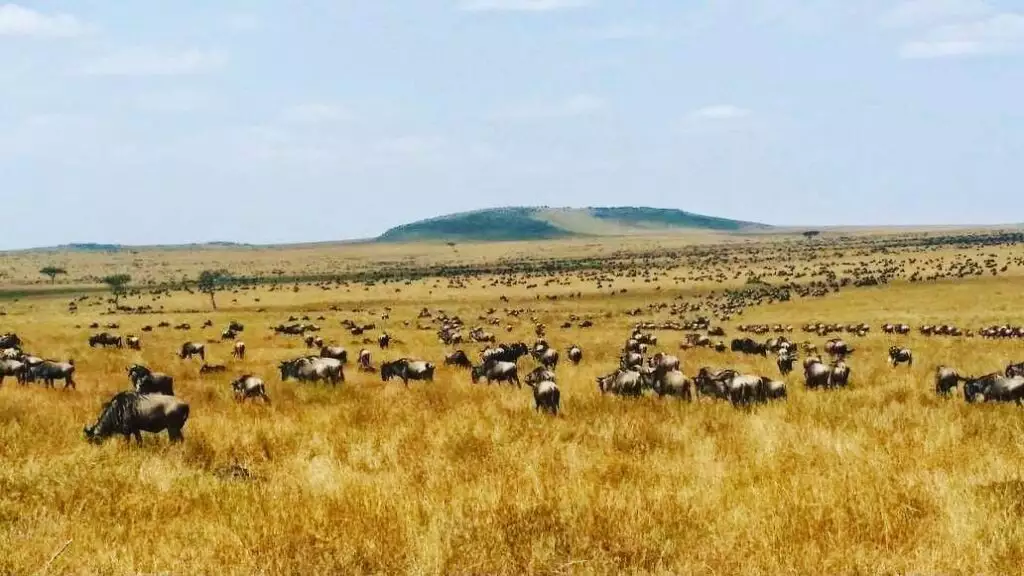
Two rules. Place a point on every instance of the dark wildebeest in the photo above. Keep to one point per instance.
(238, 351)
(336, 352)
(146, 381)
(458, 358)
(407, 370)
(899, 356)
(212, 368)
(1014, 370)
(496, 371)
(839, 376)
(816, 373)
(539, 374)
(105, 339)
(549, 358)
(249, 386)
(785, 361)
(712, 383)
(631, 360)
(547, 396)
(946, 380)
(364, 361)
(669, 383)
(130, 413)
(10, 340)
(575, 354)
(133, 342)
(384, 340)
(995, 388)
(50, 370)
(190, 349)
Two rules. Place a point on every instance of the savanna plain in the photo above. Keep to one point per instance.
(452, 477)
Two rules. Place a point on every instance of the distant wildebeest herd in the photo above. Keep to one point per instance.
(151, 404)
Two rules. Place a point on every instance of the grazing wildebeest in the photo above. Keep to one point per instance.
(364, 362)
(547, 396)
(238, 351)
(130, 413)
(12, 368)
(313, 341)
(816, 373)
(50, 370)
(249, 386)
(621, 382)
(190, 349)
(384, 340)
(775, 390)
(336, 352)
(549, 358)
(506, 352)
(575, 354)
(496, 371)
(712, 383)
(899, 356)
(631, 360)
(669, 383)
(458, 358)
(839, 348)
(946, 380)
(105, 339)
(212, 368)
(146, 381)
(10, 340)
(995, 388)
(839, 376)
(407, 369)
(540, 374)
(312, 369)
(134, 343)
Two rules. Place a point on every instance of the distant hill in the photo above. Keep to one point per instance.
(524, 223)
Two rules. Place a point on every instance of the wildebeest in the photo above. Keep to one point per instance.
(313, 341)
(946, 380)
(10, 340)
(336, 352)
(12, 368)
(816, 374)
(212, 368)
(1014, 370)
(995, 388)
(631, 360)
(839, 348)
(407, 369)
(839, 375)
(546, 396)
(134, 343)
(384, 340)
(785, 361)
(664, 362)
(105, 339)
(575, 354)
(505, 352)
(669, 383)
(238, 350)
(549, 358)
(496, 371)
(621, 382)
(50, 370)
(540, 374)
(749, 346)
(458, 358)
(364, 362)
(249, 386)
(190, 349)
(712, 383)
(130, 413)
(145, 381)
(312, 369)
(899, 356)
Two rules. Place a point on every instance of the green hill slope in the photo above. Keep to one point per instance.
(546, 223)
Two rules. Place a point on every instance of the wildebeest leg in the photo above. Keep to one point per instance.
(265, 397)
(175, 435)
(138, 437)
(69, 381)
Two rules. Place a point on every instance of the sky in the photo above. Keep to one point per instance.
(268, 122)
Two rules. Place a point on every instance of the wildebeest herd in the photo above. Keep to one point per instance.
(151, 405)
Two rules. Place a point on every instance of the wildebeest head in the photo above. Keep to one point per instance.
(114, 417)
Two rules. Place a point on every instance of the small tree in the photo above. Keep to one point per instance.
(52, 272)
(212, 280)
(118, 284)
(811, 233)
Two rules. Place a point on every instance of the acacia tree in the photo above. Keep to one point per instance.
(52, 272)
(212, 280)
(118, 284)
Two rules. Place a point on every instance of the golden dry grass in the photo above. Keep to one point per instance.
(452, 477)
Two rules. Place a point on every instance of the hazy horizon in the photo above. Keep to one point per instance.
(254, 122)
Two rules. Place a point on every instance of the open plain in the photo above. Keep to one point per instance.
(452, 477)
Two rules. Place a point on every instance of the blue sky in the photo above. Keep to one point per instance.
(258, 121)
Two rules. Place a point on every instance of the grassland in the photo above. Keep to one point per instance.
(456, 478)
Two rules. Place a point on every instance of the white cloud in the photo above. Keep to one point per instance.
(998, 34)
(520, 5)
(720, 112)
(578, 105)
(315, 113)
(16, 20)
(149, 62)
(912, 13)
